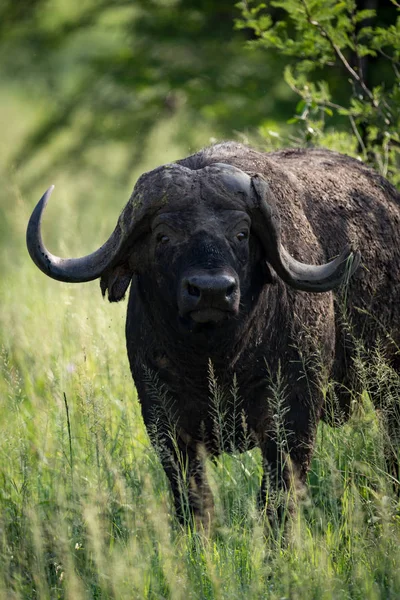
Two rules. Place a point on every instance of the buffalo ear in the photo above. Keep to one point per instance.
(115, 282)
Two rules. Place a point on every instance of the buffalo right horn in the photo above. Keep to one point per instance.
(73, 270)
(116, 256)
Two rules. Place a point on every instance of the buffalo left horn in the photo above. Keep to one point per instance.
(301, 276)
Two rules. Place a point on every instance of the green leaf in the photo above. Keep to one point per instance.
(363, 15)
(300, 106)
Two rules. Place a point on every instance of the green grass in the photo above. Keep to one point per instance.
(85, 509)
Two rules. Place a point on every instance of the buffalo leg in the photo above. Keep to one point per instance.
(185, 469)
(274, 484)
(286, 460)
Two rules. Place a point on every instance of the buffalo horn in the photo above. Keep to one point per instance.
(72, 270)
(301, 276)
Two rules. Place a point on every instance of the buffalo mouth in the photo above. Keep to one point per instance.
(210, 315)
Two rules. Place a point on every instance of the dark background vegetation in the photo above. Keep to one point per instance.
(110, 72)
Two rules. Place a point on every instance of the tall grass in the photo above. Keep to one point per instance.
(85, 508)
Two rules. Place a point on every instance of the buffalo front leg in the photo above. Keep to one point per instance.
(185, 469)
(286, 453)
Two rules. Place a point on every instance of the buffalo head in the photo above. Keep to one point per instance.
(198, 239)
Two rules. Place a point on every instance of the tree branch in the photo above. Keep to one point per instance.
(339, 54)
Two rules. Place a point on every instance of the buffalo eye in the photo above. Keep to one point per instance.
(162, 239)
(242, 235)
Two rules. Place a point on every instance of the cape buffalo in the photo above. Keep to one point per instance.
(232, 256)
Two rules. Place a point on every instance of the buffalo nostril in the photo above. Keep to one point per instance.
(230, 290)
(193, 290)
